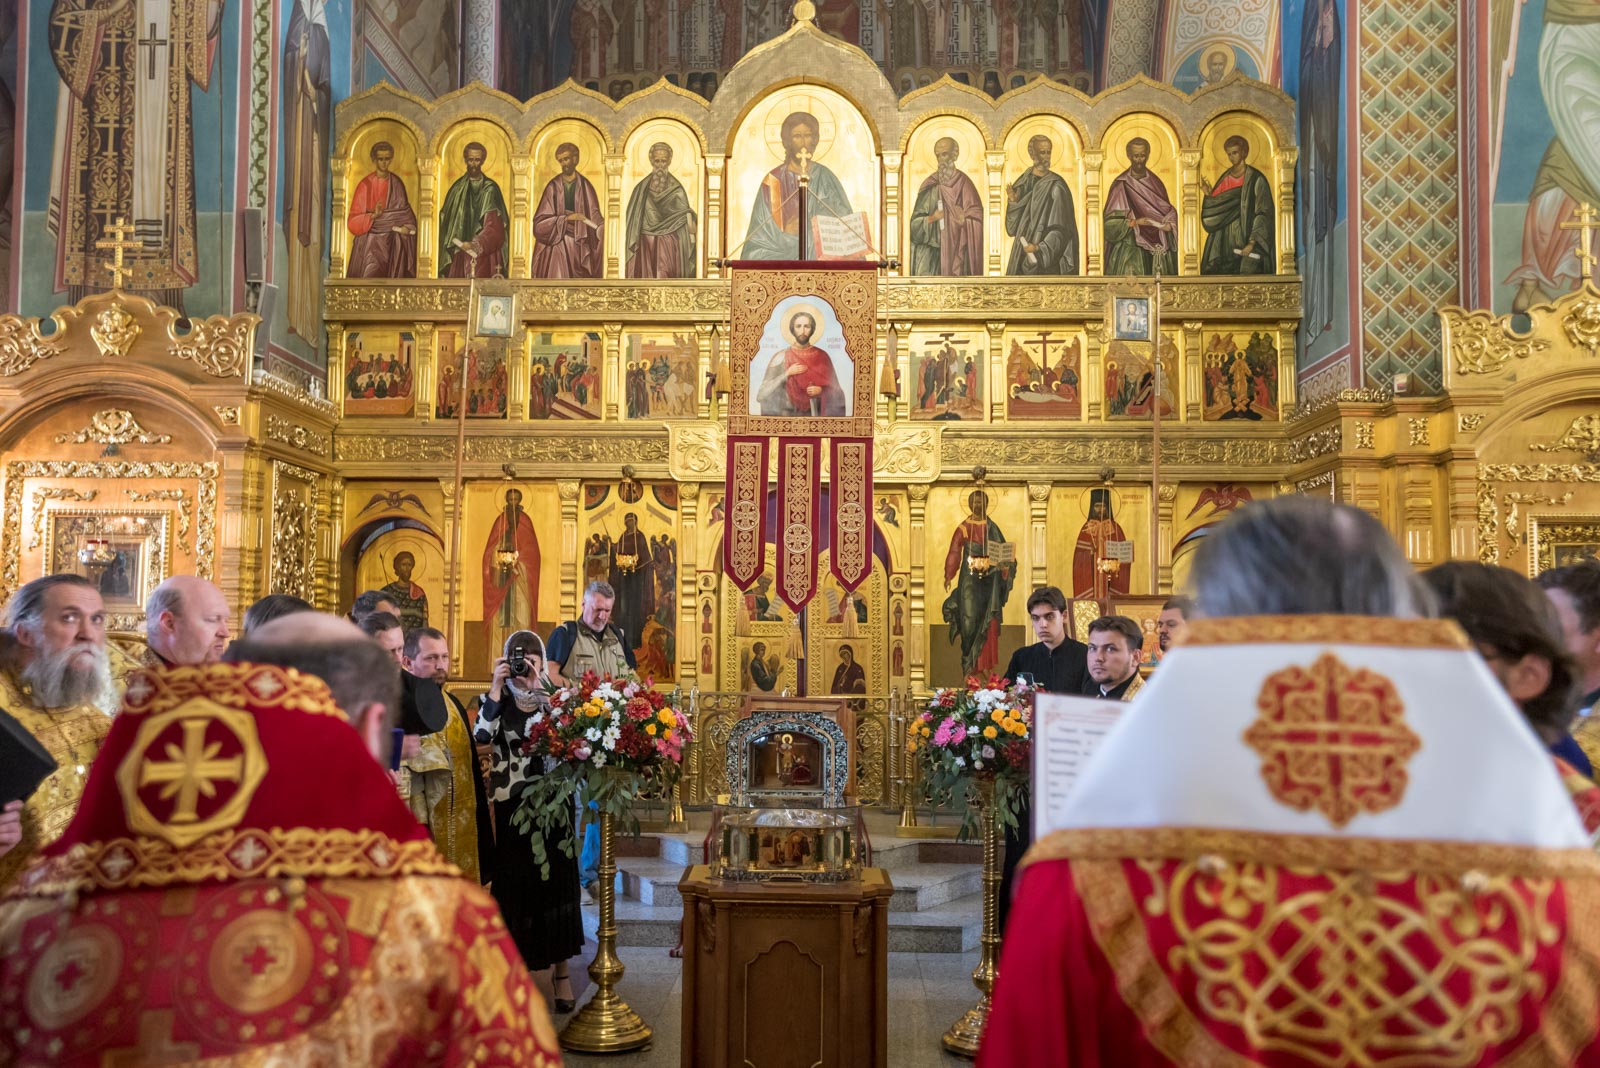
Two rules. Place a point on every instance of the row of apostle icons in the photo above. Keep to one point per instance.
(1222, 373)
(949, 230)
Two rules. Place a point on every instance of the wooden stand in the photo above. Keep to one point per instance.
(785, 973)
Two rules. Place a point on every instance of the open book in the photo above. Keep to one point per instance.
(845, 238)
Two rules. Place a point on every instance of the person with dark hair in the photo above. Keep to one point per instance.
(57, 682)
(275, 903)
(849, 676)
(544, 915)
(773, 233)
(272, 606)
(383, 228)
(474, 225)
(384, 628)
(1115, 643)
(1320, 788)
(369, 602)
(447, 795)
(1574, 589)
(1172, 620)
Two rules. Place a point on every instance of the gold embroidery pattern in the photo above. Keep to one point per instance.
(1354, 969)
(1337, 630)
(1333, 738)
(229, 685)
(191, 771)
(127, 863)
(1315, 851)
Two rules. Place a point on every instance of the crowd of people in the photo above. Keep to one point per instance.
(1350, 818)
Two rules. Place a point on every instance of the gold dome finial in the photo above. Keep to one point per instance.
(805, 11)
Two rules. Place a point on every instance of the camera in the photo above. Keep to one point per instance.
(518, 661)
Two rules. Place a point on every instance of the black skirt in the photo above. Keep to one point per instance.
(545, 916)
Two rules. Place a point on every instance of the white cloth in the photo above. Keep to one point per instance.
(1179, 757)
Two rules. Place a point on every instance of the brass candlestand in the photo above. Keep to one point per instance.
(962, 1038)
(606, 1024)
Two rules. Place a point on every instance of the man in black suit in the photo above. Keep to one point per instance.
(1056, 664)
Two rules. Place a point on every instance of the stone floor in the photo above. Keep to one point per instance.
(927, 993)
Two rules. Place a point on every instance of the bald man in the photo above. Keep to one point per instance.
(186, 623)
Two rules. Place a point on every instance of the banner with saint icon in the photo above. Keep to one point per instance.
(800, 368)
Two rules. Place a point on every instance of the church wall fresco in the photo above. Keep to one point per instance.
(512, 547)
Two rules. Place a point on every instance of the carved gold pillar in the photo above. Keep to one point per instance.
(1161, 540)
(336, 367)
(571, 558)
(427, 218)
(330, 582)
(517, 385)
(1038, 534)
(688, 602)
(1285, 161)
(235, 555)
(1189, 222)
(341, 233)
(997, 371)
(890, 243)
(454, 583)
(1194, 394)
(1094, 230)
(1418, 509)
(612, 375)
(702, 338)
(614, 220)
(1288, 387)
(996, 163)
(521, 214)
(1094, 372)
(425, 375)
(714, 246)
(902, 362)
(916, 636)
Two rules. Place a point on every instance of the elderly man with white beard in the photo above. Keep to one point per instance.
(57, 682)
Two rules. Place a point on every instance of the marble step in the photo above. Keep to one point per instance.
(917, 887)
(952, 927)
(888, 852)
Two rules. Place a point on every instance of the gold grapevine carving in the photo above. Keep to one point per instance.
(185, 518)
(285, 432)
(113, 428)
(1488, 525)
(1582, 436)
(1364, 429)
(1482, 343)
(53, 493)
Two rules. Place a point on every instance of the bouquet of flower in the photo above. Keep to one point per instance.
(604, 742)
(980, 731)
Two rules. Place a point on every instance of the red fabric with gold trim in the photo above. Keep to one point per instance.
(799, 518)
(851, 499)
(1585, 794)
(744, 538)
(1207, 962)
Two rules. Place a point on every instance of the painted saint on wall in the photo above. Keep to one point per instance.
(660, 236)
(568, 224)
(1040, 219)
(1238, 218)
(382, 225)
(775, 216)
(474, 222)
(947, 219)
(1141, 223)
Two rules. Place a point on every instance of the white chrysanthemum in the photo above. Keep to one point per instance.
(609, 739)
(599, 760)
(961, 762)
(593, 734)
(988, 752)
(537, 717)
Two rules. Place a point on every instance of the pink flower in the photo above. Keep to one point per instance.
(959, 735)
(941, 736)
(582, 752)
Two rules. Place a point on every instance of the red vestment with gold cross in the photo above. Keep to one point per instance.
(1370, 862)
(242, 885)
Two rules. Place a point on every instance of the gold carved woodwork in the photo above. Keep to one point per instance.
(120, 325)
(1418, 430)
(53, 493)
(295, 494)
(1540, 472)
(1582, 436)
(299, 394)
(1579, 535)
(698, 451)
(22, 346)
(114, 331)
(1469, 422)
(565, 448)
(1364, 429)
(1515, 499)
(18, 471)
(1582, 323)
(227, 414)
(1488, 525)
(1481, 343)
(113, 428)
(185, 508)
(276, 428)
(1312, 445)
(1336, 397)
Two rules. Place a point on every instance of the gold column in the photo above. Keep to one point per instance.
(1190, 367)
(1161, 539)
(714, 245)
(916, 638)
(902, 361)
(702, 336)
(688, 602)
(571, 559)
(614, 221)
(1038, 534)
(1094, 230)
(1094, 376)
(427, 218)
(426, 374)
(339, 168)
(1288, 387)
(330, 558)
(521, 214)
(454, 584)
(885, 406)
(997, 371)
(612, 374)
(890, 238)
(336, 369)
(1189, 221)
(996, 165)
(517, 373)
(1285, 162)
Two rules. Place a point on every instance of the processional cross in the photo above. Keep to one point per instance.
(119, 242)
(1586, 221)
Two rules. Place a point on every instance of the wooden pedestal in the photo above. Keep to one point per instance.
(785, 975)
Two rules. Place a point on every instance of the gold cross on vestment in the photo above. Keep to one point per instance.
(1586, 221)
(117, 243)
(192, 771)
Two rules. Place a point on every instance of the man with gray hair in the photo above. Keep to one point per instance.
(1322, 795)
(186, 623)
(57, 682)
(591, 642)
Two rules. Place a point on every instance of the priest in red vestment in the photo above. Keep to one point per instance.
(1322, 836)
(382, 224)
(801, 380)
(243, 885)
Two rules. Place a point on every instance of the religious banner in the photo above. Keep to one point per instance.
(744, 544)
(852, 494)
(802, 340)
(799, 499)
